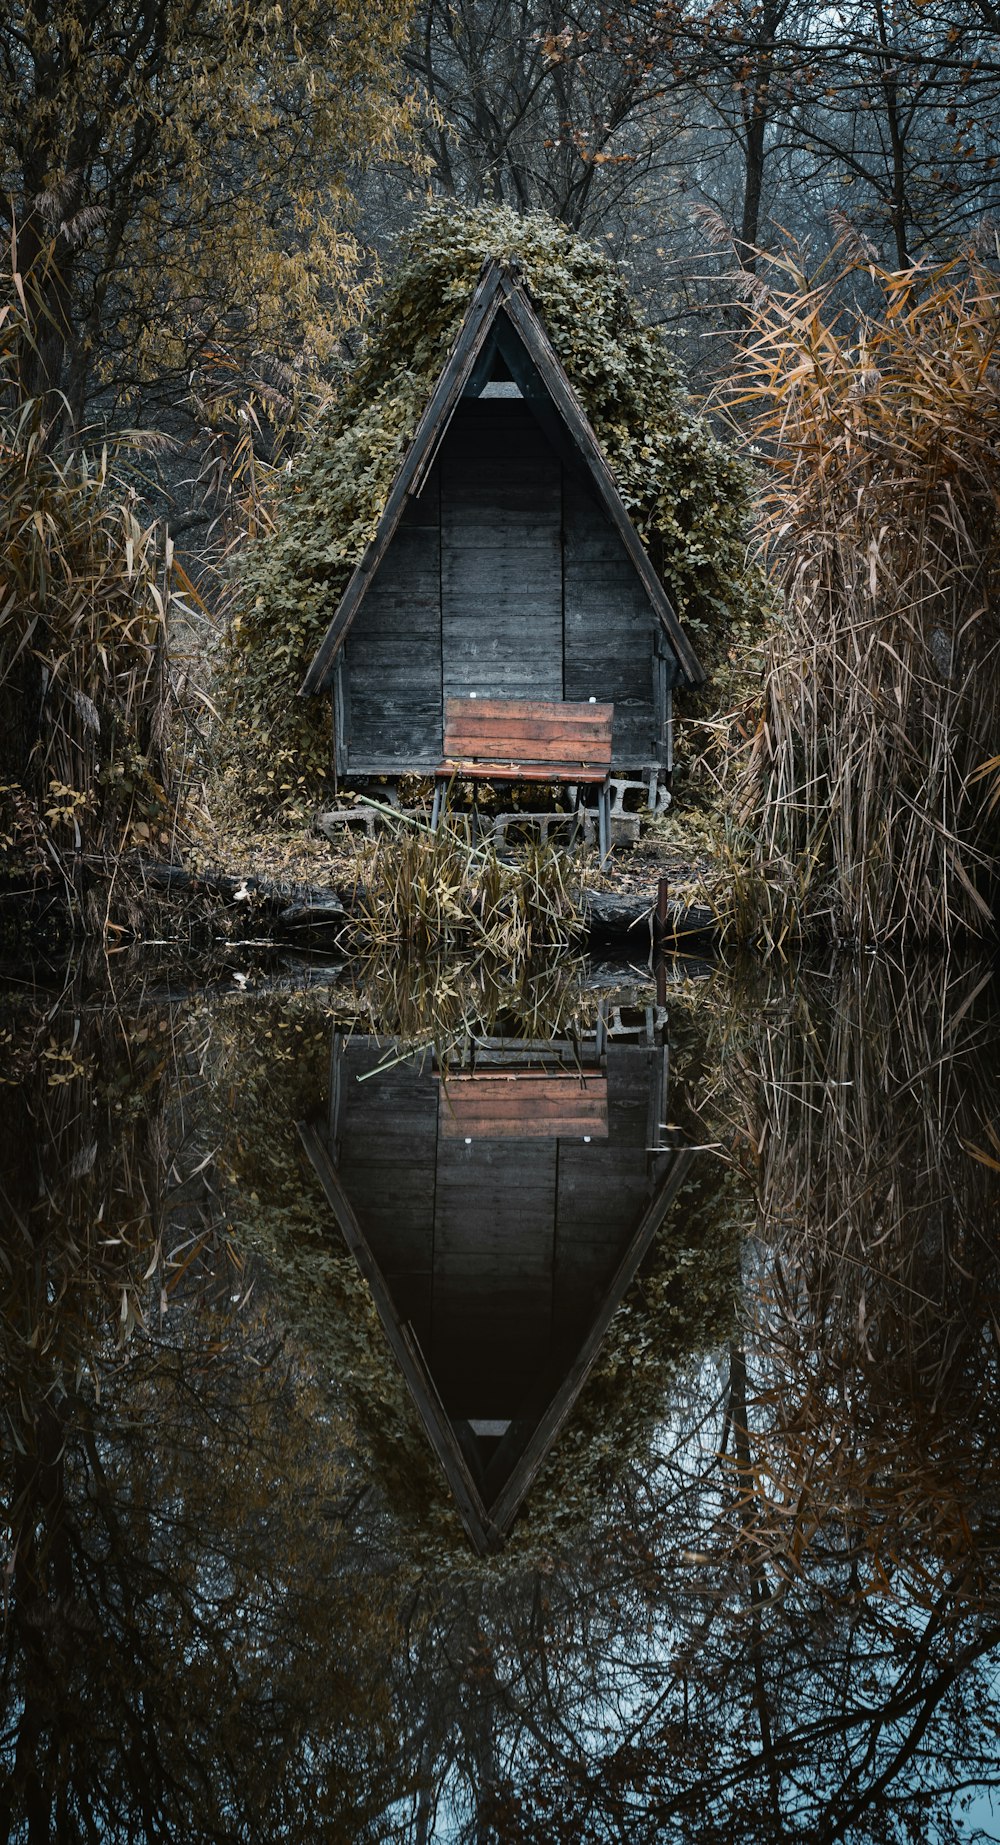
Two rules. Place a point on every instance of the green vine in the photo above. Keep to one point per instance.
(687, 494)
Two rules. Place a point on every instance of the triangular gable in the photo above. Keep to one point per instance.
(488, 1515)
(500, 306)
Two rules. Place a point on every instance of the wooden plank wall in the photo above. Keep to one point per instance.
(392, 656)
(498, 1251)
(505, 578)
(610, 627)
(501, 554)
(384, 1142)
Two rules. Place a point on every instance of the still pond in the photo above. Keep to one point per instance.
(439, 1408)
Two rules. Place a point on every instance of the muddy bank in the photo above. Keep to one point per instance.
(291, 885)
(286, 913)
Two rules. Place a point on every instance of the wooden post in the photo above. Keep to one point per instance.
(604, 823)
(660, 926)
(661, 906)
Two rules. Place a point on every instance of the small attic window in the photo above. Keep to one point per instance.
(499, 381)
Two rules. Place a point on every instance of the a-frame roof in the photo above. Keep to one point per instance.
(488, 1507)
(501, 307)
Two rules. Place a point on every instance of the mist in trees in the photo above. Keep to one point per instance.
(194, 195)
(635, 122)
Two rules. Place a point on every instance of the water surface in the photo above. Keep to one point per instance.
(446, 1412)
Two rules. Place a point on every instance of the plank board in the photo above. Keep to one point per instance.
(526, 740)
(505, 1505)
(523, 1106)
(405, 1346)
(501, 554)
(483, 768)
(393, 655)
(493, 1253)
(610, 626)
(495, 1210)
(500, 726)
(415, 468)
(387, 1131)
(533, 717)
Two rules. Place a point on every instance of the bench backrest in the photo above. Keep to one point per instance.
(512, 731)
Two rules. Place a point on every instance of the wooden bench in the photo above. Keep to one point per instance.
(526, 740)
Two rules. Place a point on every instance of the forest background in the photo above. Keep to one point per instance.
(200, 201)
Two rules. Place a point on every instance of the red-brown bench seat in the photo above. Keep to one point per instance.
(529, 740)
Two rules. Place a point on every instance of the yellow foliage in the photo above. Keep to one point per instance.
(178, 175)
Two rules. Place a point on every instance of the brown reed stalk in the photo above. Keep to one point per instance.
(87, 587)
(859, 813)
(440, 891)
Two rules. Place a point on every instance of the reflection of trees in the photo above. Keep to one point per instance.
(183, 1655)
(797, 1639)
(214, 1629)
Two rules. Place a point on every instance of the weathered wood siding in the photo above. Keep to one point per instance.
(609, 625)
(392, 658)
(501, 554)
(505, 579)
(498, 1251)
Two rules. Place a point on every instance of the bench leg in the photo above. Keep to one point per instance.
(654, 782)
(604, 823)
(574, 832)
(438, 805)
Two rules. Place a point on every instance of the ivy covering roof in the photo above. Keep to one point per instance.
(686, 493)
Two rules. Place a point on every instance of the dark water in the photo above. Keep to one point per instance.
(436, 1410)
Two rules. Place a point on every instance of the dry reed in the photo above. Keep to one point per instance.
(858, 813)
(440, 892)
(87, 762)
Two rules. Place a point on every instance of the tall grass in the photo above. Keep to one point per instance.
(433, 892)
(860, 814)
(86, 587)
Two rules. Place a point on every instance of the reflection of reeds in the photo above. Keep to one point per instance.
(101, 1226)
(861, 815)
(873, 1353)
(446, 1004)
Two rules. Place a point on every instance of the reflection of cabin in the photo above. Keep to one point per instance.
(499, 1218)
(505, 565)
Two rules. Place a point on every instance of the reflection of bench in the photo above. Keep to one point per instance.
(524, 740)
(524, 1105)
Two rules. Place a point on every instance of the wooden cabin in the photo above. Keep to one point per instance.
(498, 1217)
(505, 565)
